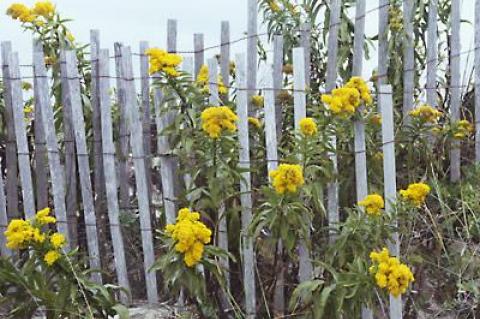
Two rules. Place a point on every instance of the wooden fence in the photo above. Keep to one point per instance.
(57, 165)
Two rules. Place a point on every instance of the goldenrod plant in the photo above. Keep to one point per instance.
(42, 276)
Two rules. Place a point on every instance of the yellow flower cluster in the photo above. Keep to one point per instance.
(426, 113)
(287, 178)
(396, 18)
(373, 204)
(21, 234)
(258, 100)
(345, 100)
(358, 83)
(462, 129)
(44, 8)
(216, 119)
(203, 79)
(390, 273)
(308, 127)
(19, 11)
(190, 236)
(162, 61)
(254, 121)
(416, 193)
(273, 5)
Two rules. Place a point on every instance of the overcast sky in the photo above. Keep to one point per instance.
(132, 21)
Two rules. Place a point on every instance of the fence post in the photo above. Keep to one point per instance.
(409, 59)
(21, 135)
(390, 184)
(432, 53)
(168, 163)
(4, 251)
(70, 178)
(305, 30)
(361, 177)
(124, 139)
(383, 41)
(272, 164)
(300, 111)
(42, 102)
(278, 80)
(83, 162)
(108, 150)
(147, 116)
(41, 176)
(11, 147)
(332, 187)
(251, 53)
(477, 81)
(245, 189)
(98, 176)
(455, 82)
(135, 127)
(225, 55)
(199, 56)
(214, 100)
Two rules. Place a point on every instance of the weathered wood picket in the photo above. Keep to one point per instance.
(122, 161)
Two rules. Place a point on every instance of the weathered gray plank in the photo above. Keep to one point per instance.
(41, 176)
(383, 41)
(477, 80)
(83, 162)
(147, 114)
(23, 153)
(305, 38)
(70, 180)
(272, 164)
(408, 58)
(98, 176)
(332, 187)
(199, 56)
(252, 17)
(108, 149)
(4, 251)
(455, 82)
(278, 80)
(361, 180)
(245, 189)
(11, 147)
(124, 139)
(135, 128)
(225, 54)
(222, 237)
(390, 184)
(300, 111)
(42, 102)
(432, 53)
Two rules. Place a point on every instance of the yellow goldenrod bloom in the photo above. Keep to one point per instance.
(258, 100)
(254, 121)
(308, 127)
(416, 193)
(51, 257)
(162, 61)
(390, 273)
(217, 119)
(42, 217)
(287, 178)
(426, 113)
(57, 240)
(373, 204)
(190, 236)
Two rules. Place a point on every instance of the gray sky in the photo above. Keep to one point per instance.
(132, 21)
